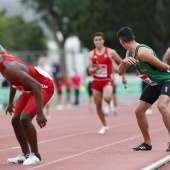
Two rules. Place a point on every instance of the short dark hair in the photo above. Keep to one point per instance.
(125, 34)
(98, 34)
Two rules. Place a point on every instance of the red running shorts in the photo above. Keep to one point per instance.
(99, 85)
(27, 102)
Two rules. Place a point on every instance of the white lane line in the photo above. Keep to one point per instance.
(91, 150)
(15, 147)
(82, 153)
(157, 164)
(51, 128)
(82, 133)
(4, 136)
(67, 136)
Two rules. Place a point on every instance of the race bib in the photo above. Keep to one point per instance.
(102, 72)
(145, 78)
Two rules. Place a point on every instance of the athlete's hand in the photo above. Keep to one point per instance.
(129, 60)
(124, 81)
(97, 66)
(41, 120)
(10, 109)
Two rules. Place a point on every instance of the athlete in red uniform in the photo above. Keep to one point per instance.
(37, 88)
(100, 65)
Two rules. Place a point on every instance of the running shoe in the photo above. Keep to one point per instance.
(103, 129)
(19, 159)
(168, 149)
(143, 147)
(149, 112)
(106, 110)
(32, 159)
(115, 112)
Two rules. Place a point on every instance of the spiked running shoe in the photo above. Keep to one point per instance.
(18, 160)
(143, 147)
(32, 159)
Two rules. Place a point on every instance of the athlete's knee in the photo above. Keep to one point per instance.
(25, 119)
(139, 113)
(161, 107)
(98, 106)
(107, 99)
(15, 121)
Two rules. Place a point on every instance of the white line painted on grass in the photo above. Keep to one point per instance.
(91, 150)
(158, 164)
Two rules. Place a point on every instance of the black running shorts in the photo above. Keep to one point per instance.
(151, 93)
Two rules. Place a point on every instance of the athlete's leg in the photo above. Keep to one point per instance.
(20, 134)
(47, 110)
(107, 93)
(162, 104)
(16, 123)
(27, 115)
(30, 131)
(98, 97)
(162, 107)
(114, 96)
(142, 120)
(149, 95)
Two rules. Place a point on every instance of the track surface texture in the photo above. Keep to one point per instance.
(70, 141)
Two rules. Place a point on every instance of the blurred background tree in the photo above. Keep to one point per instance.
(148, 19)
(18, 35)
(58, 16)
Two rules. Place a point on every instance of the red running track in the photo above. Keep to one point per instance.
(70, 141)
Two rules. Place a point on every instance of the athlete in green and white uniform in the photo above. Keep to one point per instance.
(154, 76)
(153, 71)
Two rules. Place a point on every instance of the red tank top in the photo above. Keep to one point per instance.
(42, 77)
(105, 72)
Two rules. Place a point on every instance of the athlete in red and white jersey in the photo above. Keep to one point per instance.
(39, 75)
(100, 66)
(105, 71)
(37, 89)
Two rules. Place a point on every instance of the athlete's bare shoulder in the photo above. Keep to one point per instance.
(111, 51)
(90, 54)
(145, 51)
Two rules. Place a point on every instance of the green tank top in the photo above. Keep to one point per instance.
(149, 73)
